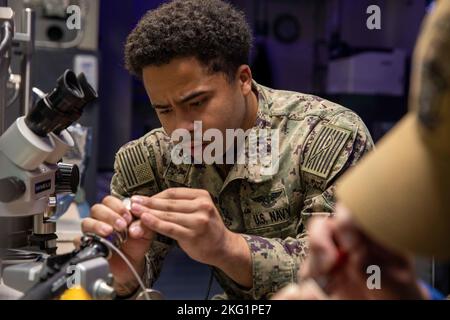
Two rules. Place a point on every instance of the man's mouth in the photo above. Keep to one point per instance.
(200, 145)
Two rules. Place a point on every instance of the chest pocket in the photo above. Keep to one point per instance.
(267, 212)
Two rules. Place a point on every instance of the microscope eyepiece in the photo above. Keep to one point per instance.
(89, 93)
(68, 94)
(62, 106)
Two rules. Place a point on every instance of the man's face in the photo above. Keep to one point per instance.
(183, 91)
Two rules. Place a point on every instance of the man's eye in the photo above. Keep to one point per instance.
(197, 103)
(164, 111)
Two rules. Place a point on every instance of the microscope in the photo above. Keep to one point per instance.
(31, 148)
(32, 175)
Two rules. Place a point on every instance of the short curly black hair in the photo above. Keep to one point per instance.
(212, 31)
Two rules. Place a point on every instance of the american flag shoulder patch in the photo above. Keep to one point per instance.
(135, 166)
(325, 149)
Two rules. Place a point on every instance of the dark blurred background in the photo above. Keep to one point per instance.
(321, 47)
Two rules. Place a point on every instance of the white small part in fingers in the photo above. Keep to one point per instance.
(127, 203)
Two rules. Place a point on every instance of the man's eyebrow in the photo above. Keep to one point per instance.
(182, 100)
(192, 96)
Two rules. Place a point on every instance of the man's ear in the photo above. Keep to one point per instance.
(244, 77)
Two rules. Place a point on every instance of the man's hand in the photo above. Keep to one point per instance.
(308, 290)
(111, 215)
(190, 217)
(339, 256)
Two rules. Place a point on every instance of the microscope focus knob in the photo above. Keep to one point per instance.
(67, 178)
(11, 189)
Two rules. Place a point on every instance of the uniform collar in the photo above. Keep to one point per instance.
(263, 116)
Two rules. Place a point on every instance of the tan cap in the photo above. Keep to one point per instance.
(400, 193)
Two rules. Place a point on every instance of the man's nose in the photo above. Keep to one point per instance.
(184, 121)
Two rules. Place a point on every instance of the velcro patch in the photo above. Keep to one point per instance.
(135, 166)
(325, 149)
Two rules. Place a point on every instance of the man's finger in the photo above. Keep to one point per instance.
(171, 193)
(137, 230)
(290, 292)
(180, 218)
(310, 290)
(346, 233)
(323, 251)
(179, 205)
(307, 290)
(105, 214)
(100, 228)
(165, 228)
(117, 205)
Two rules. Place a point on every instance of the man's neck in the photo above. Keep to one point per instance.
(251, 110)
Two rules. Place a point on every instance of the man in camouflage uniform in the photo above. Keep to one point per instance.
(247, 225)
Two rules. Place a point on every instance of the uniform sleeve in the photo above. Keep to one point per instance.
(319, 189)
(134, 174)
(275, 262)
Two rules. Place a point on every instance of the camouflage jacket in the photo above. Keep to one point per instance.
(318, 141)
